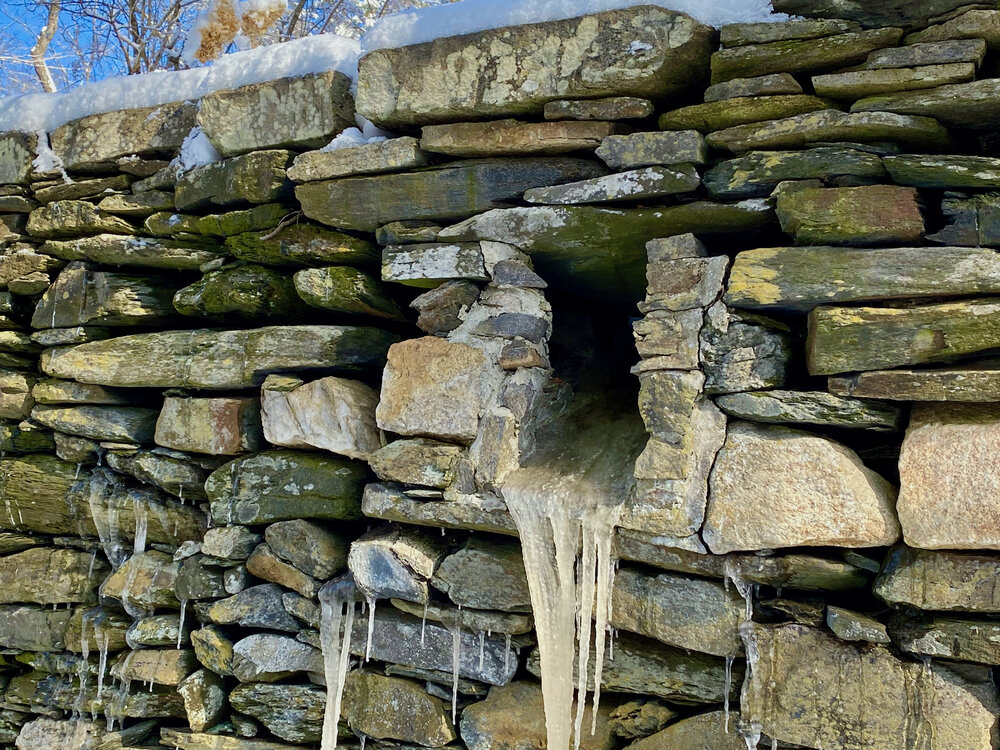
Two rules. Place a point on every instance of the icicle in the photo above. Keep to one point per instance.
(180, 623)
(371, 626)
(456, 655)
(482, 649)
(93, 559)
(141, 525)
(102, 664)
(729, 688)
(752, 735)
(337, 598)
(602, 529)
(423, 623)
(586, 571)
(774, 744)
(506, 654)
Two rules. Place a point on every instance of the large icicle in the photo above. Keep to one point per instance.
(572, 492)
(338, 603)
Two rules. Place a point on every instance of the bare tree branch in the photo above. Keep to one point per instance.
(41, 46)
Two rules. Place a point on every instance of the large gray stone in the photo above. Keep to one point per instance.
(94, 143)
(17, 152)
(282, 485)
(393, 155)
(301, 112)
(447, 192)
(485, 574)
(123, 250)
(218, 359)
(258, 177)
(973, 105)
(415, 716)
(495, 73)
(943, 581)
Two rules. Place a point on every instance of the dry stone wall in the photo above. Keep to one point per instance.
(258, 416)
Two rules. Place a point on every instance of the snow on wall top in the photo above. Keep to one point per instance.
(314, 54)
(468, 16)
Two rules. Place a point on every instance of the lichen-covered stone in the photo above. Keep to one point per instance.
(929, 53)
(512, 717)
(709, 730)
(415, 715)
(741, 352)
(281, 485)
(292, 712)
(423, 84)
(943, 581)
(853, 626)
(651, 149)
(974, 105)
(485, 574)
(416, 461)
(169, 224)
(124, 250)
(690, 613)
(427, 264)
(258, 606)
(269, 657)
(513, 137)
(831, 125)
(242, 292)
(334, 414)
(610, 108)
(17, 151)
(346, 290)
(766, 85)
(74, 218)
(164, 666)
(121, 424)
(304, 111)
(776, 487)
(47, 575)
(951, 171)
(637, 184)
(94, 143)
(861, 83)
(810, 407)
(315, 550)
(204, 699)
(81, 189)
(801, 278)
(33, 628)
(948, 638)
(302, 244)
(871, 214)
(972, 383)
(801, 55)
(393, 155)
(396, 563)
(218, 359)
(142, 204)
(975, 23)
(729, 113)
(257, 177)
(790, 694)
(848, 339)
(447, 192)
(146, 581)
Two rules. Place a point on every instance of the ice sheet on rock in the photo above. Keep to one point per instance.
(314, 54)
(468, 16)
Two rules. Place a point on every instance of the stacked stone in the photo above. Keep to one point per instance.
(215, 401)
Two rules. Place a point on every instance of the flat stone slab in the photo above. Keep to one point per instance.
(815, 407)
(801, 55)
(947, 171)
(650, 149)
(512, 137)
(947, 470)
(757, 173)
(975, 641)
(453, 191)
(729, 113)
(427, 264)
(393, 155)
(391, 504)
(942, 581)
(643, 51)
(636, 184)
(774, 487)
(96, 142)
(974, 105)
(120, 424)
(125, 250)
(861, 83)
(912, 12)
(299, 112)
(810, 687)
(218, 359)
(831, 125)
(743, 34)
(302, 244)
(975, 23)
(597, 250)
(848, 339)
(217, 426)
(67, 219)
(866, 215)
(609, 109)
(801, 278)
(970, 383)
(929, 53)
(766, 85)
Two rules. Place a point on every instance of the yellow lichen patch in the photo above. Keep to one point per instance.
(752, 279)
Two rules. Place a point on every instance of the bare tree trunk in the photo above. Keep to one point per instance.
(41, 46)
